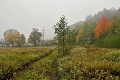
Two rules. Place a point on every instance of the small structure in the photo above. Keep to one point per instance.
(3, 43)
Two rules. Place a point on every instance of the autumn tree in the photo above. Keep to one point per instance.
(11, 36)
(102, 27)
(110, 34)
(78, 37)
(112, 40)
(86, 33)
(35, 36)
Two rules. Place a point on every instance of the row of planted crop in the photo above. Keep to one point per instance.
(92, 64)
(13, 59)
(40, 70)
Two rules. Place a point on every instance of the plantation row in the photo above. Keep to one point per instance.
(45, 64)
(90, 64)
(40, 70)
(14, 59)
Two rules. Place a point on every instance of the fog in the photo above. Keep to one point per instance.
(23, 15)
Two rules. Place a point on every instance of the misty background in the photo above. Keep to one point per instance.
(23, 15)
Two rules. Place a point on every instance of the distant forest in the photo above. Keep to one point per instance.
(101, 29)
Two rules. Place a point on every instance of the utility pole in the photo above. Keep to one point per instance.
(43, 36)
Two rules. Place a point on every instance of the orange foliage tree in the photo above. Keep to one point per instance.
(101, 27)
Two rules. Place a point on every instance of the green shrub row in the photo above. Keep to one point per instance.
(40, 70)
(12, 60)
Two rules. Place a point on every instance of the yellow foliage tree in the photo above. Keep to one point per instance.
(79, 35)
(11, 36)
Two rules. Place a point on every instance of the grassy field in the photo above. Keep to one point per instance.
(43, 63)
(15, 59)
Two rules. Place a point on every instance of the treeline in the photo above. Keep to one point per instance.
(101, 29)
(13, 38)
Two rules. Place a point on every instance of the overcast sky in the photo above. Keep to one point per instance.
(23, 15)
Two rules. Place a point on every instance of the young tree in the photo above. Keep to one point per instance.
(11, 36)
(63, 36)
(34, 36)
